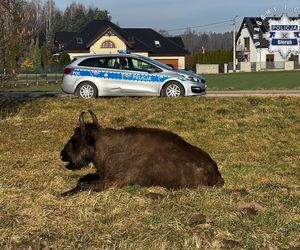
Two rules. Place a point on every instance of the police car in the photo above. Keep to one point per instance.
(128, 75)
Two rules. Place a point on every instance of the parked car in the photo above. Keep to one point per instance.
(128, 75)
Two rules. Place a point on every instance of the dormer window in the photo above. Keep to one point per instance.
(157, 44)
(79, 40)
(108, 44)
(131, 39)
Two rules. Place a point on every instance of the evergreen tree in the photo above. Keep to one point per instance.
(34, 54)
(44, 56)
(64, 59)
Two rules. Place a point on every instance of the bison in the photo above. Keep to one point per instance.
(141, 156)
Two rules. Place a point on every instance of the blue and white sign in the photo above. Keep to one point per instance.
(284, 36)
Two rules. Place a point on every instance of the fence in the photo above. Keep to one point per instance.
(52, 74)
(272, 65)
(296, 65)
(248, 67)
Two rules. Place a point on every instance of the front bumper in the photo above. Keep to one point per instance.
(193, 88)
(197, 90)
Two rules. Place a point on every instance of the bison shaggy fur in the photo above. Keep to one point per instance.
(136, 156)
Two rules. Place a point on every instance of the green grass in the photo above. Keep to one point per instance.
(237, 81)
(255, 142)
(254, 81)
(53, 87)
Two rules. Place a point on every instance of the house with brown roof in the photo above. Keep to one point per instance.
(105, 37)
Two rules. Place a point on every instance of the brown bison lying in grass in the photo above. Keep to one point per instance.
(142, 156)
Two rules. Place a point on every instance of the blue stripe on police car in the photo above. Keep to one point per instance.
(120, 76)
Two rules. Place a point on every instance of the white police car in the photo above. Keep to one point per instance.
(128, 75)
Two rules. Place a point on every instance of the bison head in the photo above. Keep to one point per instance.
(79, 150)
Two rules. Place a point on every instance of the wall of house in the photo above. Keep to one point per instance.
(262, 55)
(240, 45)
(141, 53)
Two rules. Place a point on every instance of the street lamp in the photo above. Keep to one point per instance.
(234, 49)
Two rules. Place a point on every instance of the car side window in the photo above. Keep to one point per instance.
(139, 65)
(122, 63)
(111, 62)
(118, 63)
(93, 62)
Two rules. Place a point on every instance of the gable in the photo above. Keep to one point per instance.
(108, 43)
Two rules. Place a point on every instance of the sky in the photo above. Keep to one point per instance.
(171, 15)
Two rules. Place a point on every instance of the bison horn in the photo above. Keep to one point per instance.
(95, 120)
(81, 120)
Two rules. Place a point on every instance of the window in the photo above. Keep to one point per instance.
(157, 43)
(247, 43)
(139, 65)
(79, 40)
(93, 62)
(108, 44)
(131, 40)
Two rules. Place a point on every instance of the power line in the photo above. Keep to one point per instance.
(200, 26)
(208, 28)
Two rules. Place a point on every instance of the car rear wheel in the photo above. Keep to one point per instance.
(86, 90)
(173, 89)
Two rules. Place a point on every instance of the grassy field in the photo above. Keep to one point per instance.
(254, 81)
(237, 81)
(255, 142)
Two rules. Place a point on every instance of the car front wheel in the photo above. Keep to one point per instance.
(86, 90)
(173, 89)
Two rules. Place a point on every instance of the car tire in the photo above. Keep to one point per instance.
(86, 90)
(173, 89)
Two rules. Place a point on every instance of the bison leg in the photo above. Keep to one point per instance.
(89, 178)
(85, 186)
(88, 182)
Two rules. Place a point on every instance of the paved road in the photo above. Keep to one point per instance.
(233, 93)
(225, 93)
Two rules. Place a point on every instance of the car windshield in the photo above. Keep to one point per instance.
(159, 64)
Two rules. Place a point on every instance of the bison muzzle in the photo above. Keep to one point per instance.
(141, 156)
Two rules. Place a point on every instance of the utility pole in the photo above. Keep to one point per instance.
(234, 49)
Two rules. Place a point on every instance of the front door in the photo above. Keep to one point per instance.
(138, 77)
(270, 61)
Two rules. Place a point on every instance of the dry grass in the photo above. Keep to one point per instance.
(254, 140)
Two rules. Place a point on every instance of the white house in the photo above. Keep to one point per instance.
(267, 43)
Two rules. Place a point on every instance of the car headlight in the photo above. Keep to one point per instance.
(191, 78)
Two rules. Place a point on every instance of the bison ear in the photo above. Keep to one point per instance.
(94, 117)
(82, 124)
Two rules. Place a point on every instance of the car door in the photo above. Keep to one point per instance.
(139, 77)
(110, 77)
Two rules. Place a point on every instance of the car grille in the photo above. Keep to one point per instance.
(197, 90)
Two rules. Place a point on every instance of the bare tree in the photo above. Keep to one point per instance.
(18, 22)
